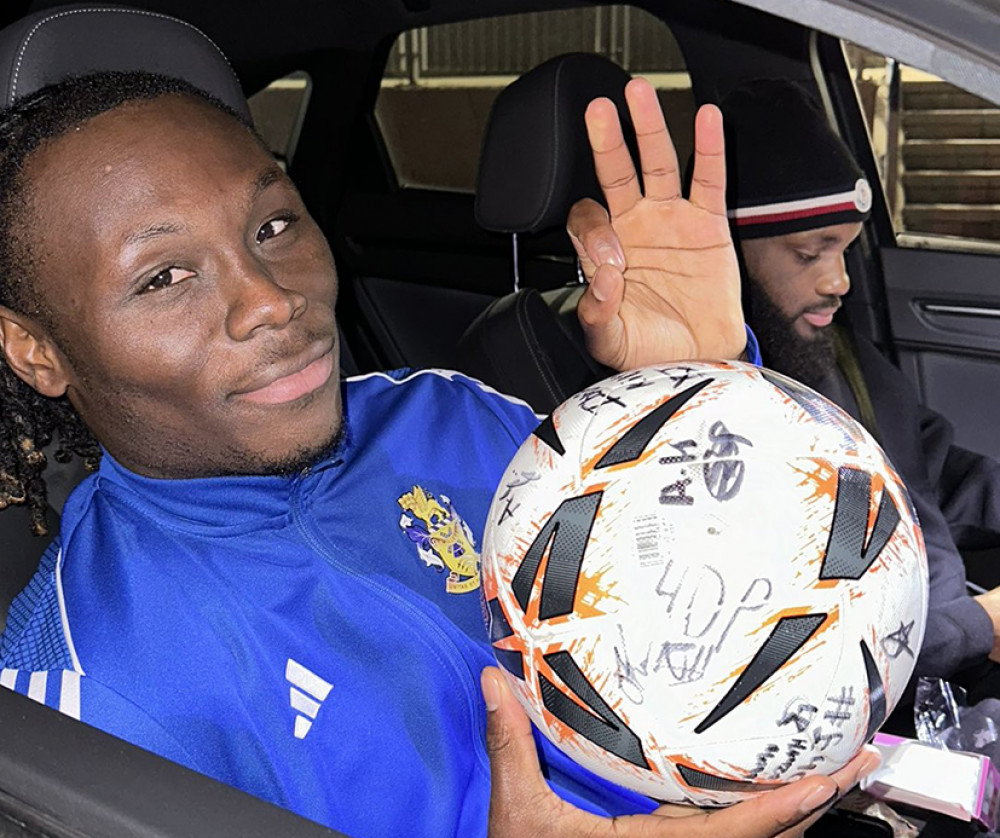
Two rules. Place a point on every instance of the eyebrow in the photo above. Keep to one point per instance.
(268, 177)
(151, 232)
(823, 243)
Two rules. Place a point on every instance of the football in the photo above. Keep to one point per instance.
(704, 581)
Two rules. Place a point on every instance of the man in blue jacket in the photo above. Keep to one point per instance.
(272, 578)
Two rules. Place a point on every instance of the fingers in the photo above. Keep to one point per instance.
(708, 185)
(660, 174)
(787, 810)
(599, 314)
(593, 237)
(866, 761)
(612, 160)
(515, 777)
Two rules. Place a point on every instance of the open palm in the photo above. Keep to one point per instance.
(676, 293)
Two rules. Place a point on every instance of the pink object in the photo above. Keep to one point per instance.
(962, 785)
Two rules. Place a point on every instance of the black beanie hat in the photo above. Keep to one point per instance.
(787, 170)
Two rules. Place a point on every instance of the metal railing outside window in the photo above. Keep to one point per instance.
(506, 46)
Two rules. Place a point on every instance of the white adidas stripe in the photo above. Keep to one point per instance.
(37, 684)
(310, 682)
(64, 617)
(304, 704)
(450, 376)
(69, 694)
(306, 695)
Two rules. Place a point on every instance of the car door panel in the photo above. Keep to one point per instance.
(944, 313)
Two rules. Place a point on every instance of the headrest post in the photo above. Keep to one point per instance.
(517, 264)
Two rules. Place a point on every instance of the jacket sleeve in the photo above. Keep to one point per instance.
(84, 699)
(968, 484)
(959, 633)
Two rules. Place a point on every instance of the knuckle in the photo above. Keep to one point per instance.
(586, 310)
(620, 182)
(593, 238)
(659, 171)
(497, 738)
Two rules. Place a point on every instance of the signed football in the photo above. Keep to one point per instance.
(704, 581)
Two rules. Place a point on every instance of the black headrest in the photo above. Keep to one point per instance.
(536, 160)
(46, 47)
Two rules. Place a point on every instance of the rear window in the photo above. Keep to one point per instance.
(440, 82)
(938, 149)
(278, 112)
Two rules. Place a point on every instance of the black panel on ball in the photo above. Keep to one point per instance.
(500, 629)
(546, 432)
(569, 531)
(710, 782)
(787, 638)
(876, 693)
(847, 554)
(634, 441)
(602, 727)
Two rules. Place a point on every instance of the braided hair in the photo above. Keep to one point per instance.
(29, 421)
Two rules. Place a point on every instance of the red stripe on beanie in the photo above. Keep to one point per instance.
(791, 215)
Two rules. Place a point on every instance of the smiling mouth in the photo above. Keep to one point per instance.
(295, 385)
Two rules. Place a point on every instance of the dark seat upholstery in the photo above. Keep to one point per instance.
(536, 163)
(44, 48)
(48, 46)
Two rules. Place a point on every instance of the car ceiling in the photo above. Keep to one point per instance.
(958, 40)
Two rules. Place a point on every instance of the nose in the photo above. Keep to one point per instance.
(834, 281)
(256, 301)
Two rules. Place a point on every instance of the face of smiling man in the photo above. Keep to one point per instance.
(190, 295)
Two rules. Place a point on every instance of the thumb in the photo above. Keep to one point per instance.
(518, 789)
(599, 314)
(594, 239)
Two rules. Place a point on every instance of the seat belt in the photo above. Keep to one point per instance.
(847, 359)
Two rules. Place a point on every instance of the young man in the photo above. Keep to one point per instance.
(236, 588)
(796, 201)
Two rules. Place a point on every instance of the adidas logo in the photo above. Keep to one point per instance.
(308, 692)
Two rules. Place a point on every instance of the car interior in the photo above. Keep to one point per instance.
(439, 144)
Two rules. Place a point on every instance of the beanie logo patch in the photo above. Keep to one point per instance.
(862, 195)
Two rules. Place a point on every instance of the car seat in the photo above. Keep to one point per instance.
(44, 48)
(536, 163)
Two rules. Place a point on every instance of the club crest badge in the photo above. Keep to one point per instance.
(444, 541)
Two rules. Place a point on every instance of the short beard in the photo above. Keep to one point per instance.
(303, 459)
(809, 360)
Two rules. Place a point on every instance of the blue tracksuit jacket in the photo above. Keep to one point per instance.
(315, 640)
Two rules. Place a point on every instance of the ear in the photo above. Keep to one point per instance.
(31, 354)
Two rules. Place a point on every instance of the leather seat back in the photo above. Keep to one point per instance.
(48, 46)
(536, 163)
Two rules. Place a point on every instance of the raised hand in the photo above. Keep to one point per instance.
(521, 803)
(664, 281)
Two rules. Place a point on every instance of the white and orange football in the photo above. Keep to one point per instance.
(704, 581)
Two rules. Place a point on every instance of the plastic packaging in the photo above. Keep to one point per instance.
(944, 719)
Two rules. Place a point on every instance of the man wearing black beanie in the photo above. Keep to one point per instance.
(796, 201)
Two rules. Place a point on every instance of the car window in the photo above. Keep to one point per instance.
(938, 150)
(440, 82)
(278, 111)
